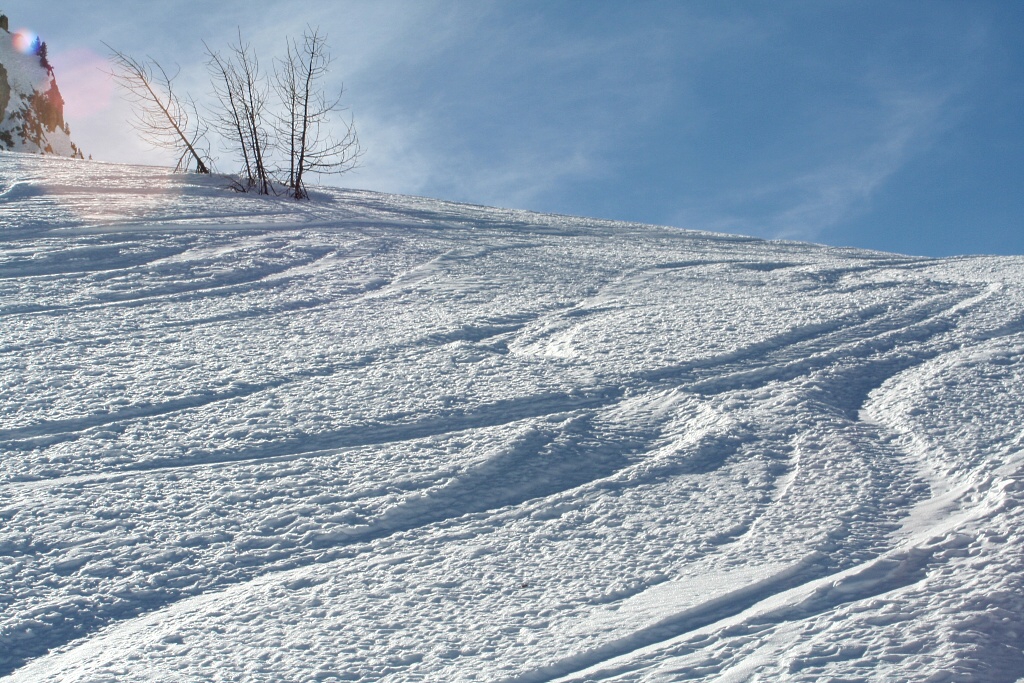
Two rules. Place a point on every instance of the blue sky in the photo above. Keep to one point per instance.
(890, 125)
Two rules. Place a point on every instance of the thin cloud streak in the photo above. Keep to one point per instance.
(845, 188)
(807, 205)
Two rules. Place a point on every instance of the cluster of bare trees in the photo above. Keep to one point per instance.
(280, 128)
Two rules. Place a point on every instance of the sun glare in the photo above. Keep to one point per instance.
(84, 83)
(24, 41)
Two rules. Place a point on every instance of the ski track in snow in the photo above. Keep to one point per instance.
(382, 438)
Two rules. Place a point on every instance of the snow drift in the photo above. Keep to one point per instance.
(384, 438)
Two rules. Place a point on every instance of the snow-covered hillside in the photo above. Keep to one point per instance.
(381, 438)
(31, 106)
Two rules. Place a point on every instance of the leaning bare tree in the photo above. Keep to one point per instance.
(304, 122)
(242, 91)
(160, 116)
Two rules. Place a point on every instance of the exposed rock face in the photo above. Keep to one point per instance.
(5, 91)
(31, 106)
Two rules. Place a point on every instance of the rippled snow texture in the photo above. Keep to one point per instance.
(382, 438)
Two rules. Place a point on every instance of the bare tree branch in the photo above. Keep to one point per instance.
(161, 118)
(307, 112)
(241, 92)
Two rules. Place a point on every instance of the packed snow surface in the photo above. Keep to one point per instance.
(382, 438)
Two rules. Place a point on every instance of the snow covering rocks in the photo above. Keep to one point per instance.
(384, 438)
(31, 106)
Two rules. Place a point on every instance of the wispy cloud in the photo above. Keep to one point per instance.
(860, 139)
(514, 108)
(812, 202)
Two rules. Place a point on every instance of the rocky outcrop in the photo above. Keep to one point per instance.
(31, 106)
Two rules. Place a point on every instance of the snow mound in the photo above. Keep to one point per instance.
(383, 438)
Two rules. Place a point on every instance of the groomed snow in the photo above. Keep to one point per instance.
(382, 438)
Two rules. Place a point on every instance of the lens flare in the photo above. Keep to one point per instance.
(25, 41)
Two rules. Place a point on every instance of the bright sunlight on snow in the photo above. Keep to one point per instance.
(383, 438)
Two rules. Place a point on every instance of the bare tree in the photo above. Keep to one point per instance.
(162, 118)
(304, 124)
(303, 134)
(242, 91)
(286, 78)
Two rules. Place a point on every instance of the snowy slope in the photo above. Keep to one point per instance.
(31, 106)
(381, 438)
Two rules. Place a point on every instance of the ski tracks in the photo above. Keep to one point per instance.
(494, 446)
